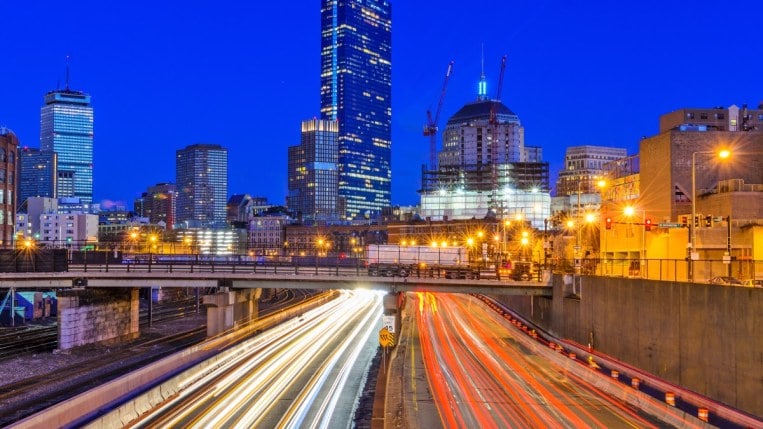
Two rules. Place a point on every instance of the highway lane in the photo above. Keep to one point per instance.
(305, 373)
(480, 376)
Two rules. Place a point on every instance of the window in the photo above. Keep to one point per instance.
(690, 115)
(703, 116)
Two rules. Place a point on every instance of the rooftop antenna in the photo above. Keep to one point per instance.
(67, 72)
(482, 86)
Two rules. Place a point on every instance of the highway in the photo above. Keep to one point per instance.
(307, 372)
(480, 376)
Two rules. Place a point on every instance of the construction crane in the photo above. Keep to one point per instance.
(430, 129)
(493, 123)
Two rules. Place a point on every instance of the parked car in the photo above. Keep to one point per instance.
(753, 282)
(725, 280)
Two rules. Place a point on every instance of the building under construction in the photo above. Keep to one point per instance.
(484, 168)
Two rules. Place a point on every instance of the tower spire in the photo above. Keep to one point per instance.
(482, 86)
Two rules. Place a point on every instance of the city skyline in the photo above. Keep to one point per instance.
(166, 79)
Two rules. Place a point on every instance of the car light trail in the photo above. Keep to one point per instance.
(480, 376)
(289, 376)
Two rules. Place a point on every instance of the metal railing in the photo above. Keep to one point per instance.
(664, 269)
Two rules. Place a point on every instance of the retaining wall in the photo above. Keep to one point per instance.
(94, 315)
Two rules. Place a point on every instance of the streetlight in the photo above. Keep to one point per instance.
(722, 154)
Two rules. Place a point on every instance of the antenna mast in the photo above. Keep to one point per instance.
(67, 72)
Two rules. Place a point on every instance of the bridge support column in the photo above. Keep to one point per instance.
(87, 316)
(227, 309)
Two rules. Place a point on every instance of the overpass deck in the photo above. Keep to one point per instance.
(94, 277)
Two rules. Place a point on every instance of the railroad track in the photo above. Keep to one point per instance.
(28, 396)
(28, 339)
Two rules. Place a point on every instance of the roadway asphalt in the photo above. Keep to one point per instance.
(409, 401)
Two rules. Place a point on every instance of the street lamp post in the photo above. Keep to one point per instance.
(693, 223)
(576, 253)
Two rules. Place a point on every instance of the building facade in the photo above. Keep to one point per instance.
(356, 91)
(158, 204)
(37, 175)
(266, 234)
(201, 177)
(8, 146)
(583, 167)
(314, 175)
(66, 128)
(44, 222)
(732, 119)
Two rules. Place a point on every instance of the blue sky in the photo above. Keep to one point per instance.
(164, 75)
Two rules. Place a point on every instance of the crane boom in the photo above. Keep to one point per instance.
(430, 129)
(494, 132)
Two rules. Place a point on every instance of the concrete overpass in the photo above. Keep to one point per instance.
(250, 280)
(98, 303)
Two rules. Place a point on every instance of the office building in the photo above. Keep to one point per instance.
(584, 167)
(8, 146)
(356, 91)
(313, 174)
(201, 177)
(666, 160)
(37, 175)
(66, 128)
(158, 204)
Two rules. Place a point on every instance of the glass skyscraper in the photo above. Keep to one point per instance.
(37, 175)
(201, 177)
(66, 128)
(313, 175)
(356, 91)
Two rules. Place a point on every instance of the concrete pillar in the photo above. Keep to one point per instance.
(229, 309)
(247, 305)
(94, 315)
(219, 312)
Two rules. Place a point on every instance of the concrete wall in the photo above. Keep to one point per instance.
(94, 315)
(706, 338)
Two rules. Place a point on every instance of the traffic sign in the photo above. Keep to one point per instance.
(388, 322)
(386, 338)
(670, 225)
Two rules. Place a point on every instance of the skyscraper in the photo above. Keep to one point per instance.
(37, 175)
(66, 128)
(356, 90)
(201, 177)
(313, 175)
(8, 146)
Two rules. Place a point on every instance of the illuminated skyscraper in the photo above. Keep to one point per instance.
(313, 185)
(66, 128)
(201, 177)
(356, 91)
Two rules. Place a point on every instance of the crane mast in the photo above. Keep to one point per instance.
(430, 129)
